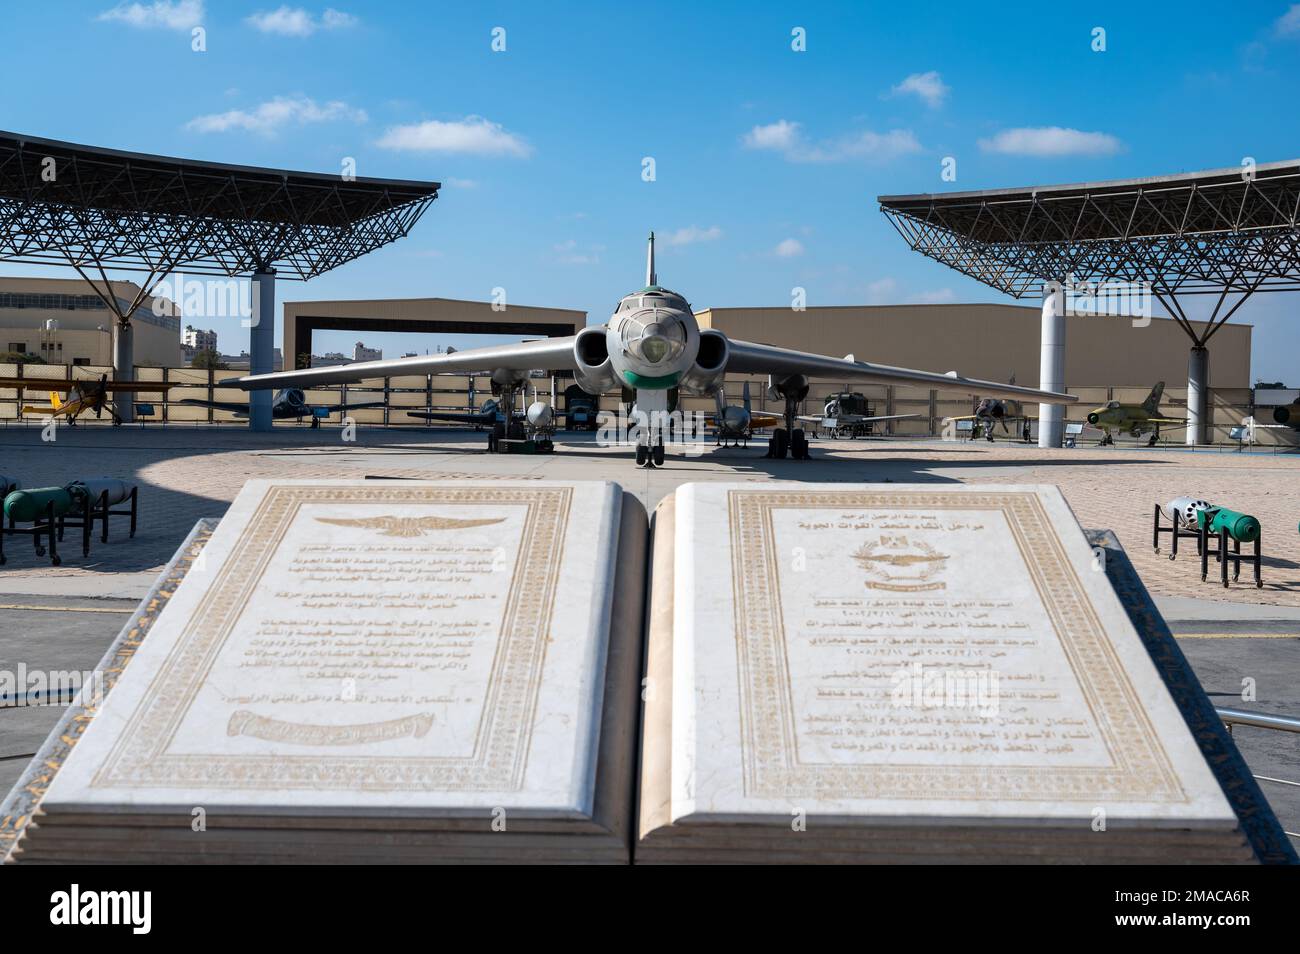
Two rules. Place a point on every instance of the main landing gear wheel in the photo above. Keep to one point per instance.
(779, 444)
(799, 445)
(498, 432)
(657, 454)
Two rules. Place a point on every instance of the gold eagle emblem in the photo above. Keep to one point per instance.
(409, 526)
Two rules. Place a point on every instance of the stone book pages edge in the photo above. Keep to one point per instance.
(792, 605)
(571, 669)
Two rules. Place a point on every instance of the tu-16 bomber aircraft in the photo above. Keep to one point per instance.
(653, 349)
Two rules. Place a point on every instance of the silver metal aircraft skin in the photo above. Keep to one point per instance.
(651, 344)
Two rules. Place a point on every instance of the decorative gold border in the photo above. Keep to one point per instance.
(140, 757)
(1140, 769)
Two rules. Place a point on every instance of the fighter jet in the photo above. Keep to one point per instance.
(650, 346)
(734, 424)
(80, 396)
(1133, 419)
(990, 412)
(290, 403)
(845, 415)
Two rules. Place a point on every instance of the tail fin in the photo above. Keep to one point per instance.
(1152, 404)
(651, 279)
(746, 395)
(55, 402)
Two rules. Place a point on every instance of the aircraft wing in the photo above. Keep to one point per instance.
(337, 408)
(766, 359)
(453, 417)
(1166, 420)
(63, 384)
(549, 354)
(235, 407)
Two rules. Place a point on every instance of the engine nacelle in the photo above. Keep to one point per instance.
(792, 387)
(710, 363)
(594, 372)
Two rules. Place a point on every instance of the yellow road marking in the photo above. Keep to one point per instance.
(65, 609)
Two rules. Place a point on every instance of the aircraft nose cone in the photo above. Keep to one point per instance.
(654, 348)
(1094, 417)
(1281, 415)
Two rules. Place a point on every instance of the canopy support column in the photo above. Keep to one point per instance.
(1051, 368)
(261, 347)
(124, 369)
(1198, 387)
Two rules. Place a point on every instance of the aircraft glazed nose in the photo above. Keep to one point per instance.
(654, 348)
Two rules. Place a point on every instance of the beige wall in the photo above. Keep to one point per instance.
(991, 341)
(78, 332)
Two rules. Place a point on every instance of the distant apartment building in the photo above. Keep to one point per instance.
(330, 359)
(362, 353)
(62, 321)
(196, 339)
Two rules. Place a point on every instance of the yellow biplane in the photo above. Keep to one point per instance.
(79, 396)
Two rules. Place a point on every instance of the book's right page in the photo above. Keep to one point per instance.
(909, 654)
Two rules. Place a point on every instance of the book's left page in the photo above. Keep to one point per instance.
(368, 648)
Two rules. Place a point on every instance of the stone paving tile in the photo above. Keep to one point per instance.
(186, 473)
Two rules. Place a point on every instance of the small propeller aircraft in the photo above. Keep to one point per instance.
(80, 396)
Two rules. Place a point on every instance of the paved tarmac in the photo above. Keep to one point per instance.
(1238, 640)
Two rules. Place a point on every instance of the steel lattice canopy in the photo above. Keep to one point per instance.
(1227, 230)
(92, 208)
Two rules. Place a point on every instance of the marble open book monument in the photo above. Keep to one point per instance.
(410, 671)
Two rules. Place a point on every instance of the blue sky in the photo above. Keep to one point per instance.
(767, 160)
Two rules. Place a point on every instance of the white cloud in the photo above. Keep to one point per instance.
(881, 288)
(568, 253)
(180, 15)
(789, 248)
(274, 114)
(1050, 142)
(692, 234)
(929, 86)
(472, 135)
(295, 21)
(1288, 24)
(786, 138)
(780, 135)
(460, 183)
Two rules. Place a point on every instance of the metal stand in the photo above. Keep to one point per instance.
(1176, 529)
(1224, 556)
(49, 527)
